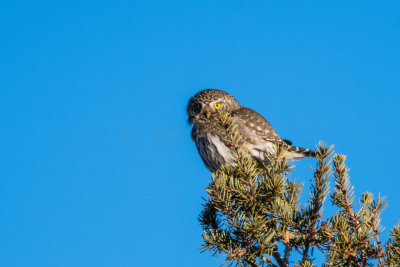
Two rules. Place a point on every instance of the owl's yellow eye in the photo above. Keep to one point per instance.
(217, 105)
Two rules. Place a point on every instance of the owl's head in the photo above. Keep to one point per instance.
(208, 103)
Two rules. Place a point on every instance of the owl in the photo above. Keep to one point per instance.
(258, 136)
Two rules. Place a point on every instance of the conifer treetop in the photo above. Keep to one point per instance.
(253, 217)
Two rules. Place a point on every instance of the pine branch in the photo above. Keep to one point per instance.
(354, 235)
(392, 257)
(311, 215)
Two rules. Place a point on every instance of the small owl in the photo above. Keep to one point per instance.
(259, 137)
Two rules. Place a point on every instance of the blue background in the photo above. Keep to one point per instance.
(97, 165)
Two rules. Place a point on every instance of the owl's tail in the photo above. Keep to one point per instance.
(299, 153)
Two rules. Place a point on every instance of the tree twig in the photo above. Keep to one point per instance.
(288, 248)
(277, 256)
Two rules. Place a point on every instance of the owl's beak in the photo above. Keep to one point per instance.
(207, 112)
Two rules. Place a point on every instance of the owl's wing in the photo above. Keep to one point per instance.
(251, 125)
(254, 128)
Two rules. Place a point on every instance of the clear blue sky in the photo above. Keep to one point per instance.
(97, 164)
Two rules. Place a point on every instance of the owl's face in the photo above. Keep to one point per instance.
(208, 103)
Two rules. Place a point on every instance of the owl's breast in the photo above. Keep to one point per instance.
(211, 147)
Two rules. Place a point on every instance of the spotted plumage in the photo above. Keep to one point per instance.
(258, 135)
